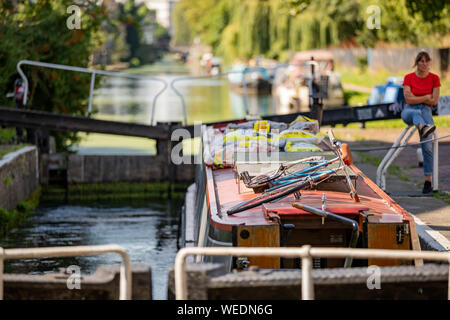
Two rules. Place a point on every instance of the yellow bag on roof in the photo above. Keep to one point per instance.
(261, 126)
(305, 123)
(248, 135)
(295, 135)
(301, 147)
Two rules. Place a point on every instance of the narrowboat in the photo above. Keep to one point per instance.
(291, 84)
(257, 80)
(269, 184)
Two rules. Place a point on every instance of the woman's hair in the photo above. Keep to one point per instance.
(420, 55)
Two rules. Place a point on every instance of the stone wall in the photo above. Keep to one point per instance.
(19, 176)
(104, 284)
(115, 168)
(209, 282)
(392, 59)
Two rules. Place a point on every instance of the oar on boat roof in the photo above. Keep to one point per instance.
(342, 150)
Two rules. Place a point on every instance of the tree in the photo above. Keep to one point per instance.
(136, 18)
(274, 28)
(183, 35)
(37, 30)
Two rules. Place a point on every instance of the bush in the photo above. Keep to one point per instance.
(10, 219)
(37, 30)
(362, 64)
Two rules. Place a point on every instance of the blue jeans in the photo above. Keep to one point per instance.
(421, 114)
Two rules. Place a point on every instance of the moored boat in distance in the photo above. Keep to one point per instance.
(271, 184)
(291, 83)
(257, 79)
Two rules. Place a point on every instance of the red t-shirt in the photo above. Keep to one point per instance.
(422, 86)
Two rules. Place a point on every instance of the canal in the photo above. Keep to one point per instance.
(146, 228)
(131, 100)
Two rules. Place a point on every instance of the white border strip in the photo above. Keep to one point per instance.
(432, 237)
(9, 157)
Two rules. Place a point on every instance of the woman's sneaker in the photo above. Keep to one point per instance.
(427, 187)
(426, 130)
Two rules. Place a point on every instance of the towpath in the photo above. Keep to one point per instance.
(355, 87)
(404, 181)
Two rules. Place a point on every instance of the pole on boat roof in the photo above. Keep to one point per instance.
(244, 86)
(315, 94)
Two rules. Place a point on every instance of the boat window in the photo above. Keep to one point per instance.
(390, 95)
(374, 96)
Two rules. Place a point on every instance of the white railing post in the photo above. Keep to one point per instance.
(91, 92)
(306, 253)
(125, 289)
(390, 156)
(435, 162)
(397, 147)
(307, 281)
(2, 251)
(393, 157)
(25, 253)
(180, 275)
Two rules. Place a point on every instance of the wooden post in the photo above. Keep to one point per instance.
(164, 149)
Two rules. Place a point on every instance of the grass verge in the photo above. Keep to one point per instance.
(5, 149)
(369, 79)
(355, 98)
(374, 160)
(442, 196)
(7, 135)
(440, 122)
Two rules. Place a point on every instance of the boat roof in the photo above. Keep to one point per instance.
(224, 190)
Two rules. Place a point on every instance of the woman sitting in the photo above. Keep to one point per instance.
(421, 90)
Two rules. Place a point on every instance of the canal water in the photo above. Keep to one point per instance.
(131, 100)
(147, 229)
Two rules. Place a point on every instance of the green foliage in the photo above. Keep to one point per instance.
(132, 16)
(135, 18)
(10, 219)
(37, 30)
(353, 98)
(7, 135)
(160, 33)
(362, 63)
(269, 28)
(7, 181)
(418, 22)
(183, 33)
(275, 28)
(5, 149)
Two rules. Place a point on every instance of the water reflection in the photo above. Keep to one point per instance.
(206, 100)
(131, 100)
(147, 229)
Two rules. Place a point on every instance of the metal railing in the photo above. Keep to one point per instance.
(306, 253)
(397, 147)
(26, 253)
(93, 72)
